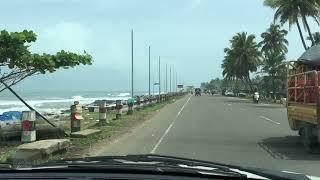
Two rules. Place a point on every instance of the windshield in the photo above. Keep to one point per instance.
(199, 79)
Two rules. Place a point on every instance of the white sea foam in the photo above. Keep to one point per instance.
(51, 105)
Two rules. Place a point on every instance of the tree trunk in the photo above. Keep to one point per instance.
(301, 35)
(249, 82)
(273, 87)
(309, 31)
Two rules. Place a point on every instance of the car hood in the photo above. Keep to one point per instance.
(169, 163)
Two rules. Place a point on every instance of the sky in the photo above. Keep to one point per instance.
(188, 35)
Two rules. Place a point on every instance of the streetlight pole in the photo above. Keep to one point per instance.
(176, 81)
(170, 80)
(166, 78)
(132, 63)
(173, 90)
(153, 85)
(159, 80)
(149, 72)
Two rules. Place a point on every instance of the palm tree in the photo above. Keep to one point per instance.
(316, 37)
(273, 40)
(273, 48)
(241, 58)
(290, 11)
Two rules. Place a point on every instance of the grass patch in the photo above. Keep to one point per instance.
(6, 152)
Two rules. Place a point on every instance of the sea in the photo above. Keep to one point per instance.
(56, 101)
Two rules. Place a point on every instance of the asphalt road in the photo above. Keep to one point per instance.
(221, 129)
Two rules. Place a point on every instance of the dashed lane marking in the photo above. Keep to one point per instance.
(270, 120)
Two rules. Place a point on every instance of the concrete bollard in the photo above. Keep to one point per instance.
(150, 100)
(145, 102)
(76, 117)
(130, 106)
(102, 113)
(28, 126)
(118, 109)
(138, 103)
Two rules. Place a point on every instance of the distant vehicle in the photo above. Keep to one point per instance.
(256, 97)
(197, 92)
(229, 93)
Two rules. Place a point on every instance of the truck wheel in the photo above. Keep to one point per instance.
(309, 140)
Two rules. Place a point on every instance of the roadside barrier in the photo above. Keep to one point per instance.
(145, 102)
(130, 106)
(138, 103)
(76, 117)
(118, 109)
(28, 126)
(150, 100)
(102, 113)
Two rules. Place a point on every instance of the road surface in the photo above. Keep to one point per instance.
(221, 129)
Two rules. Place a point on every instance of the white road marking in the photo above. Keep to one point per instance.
(168, 129)
(270, 120)
(229, 104)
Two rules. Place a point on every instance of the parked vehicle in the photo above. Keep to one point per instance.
(229, 93)
(303, 104)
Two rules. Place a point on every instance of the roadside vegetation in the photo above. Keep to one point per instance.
(81, 146)
(249, 65)
(18, 63)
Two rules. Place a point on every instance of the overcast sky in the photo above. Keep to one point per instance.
(189, 35)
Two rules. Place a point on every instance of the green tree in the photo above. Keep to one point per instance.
(241, 58)
(17, 62)
(290, 11)
(274, 48)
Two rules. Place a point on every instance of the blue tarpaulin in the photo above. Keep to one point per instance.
(10, 116)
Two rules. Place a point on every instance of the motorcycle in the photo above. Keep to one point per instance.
(256, 97)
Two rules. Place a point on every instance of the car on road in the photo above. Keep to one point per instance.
(229, 93)
(197, 92)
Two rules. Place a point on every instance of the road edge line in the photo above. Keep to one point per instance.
(168, 129)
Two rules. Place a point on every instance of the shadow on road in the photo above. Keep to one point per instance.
(242, 101)
(251, 104)
(269, 106)
(289, 147)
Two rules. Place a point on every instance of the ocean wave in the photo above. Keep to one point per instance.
(54, 105)
(124, 94)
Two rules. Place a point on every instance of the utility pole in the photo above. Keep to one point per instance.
(149, 72)
(132, 63)
(159, 80)
(170, 80)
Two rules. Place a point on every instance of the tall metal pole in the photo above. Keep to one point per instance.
(176, 81)
(166, 78)
(173, 80)
(132, 63)
(149, 72)
(159, 80)
(170, 80)
(153, 85)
